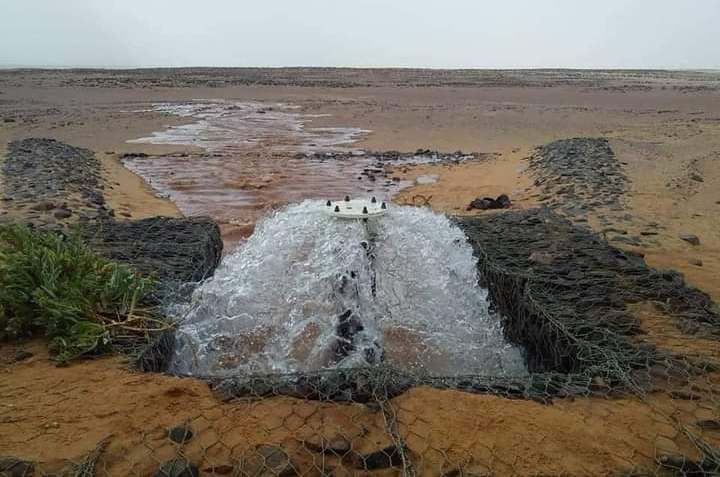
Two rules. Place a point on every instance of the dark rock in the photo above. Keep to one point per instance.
(177, 468)
(696, 177)
(14, 467)
(709, 424)
(62, 213)
(503, 201)
(486, 203)
(133, 155)
(684, 395)
(691, 239)
(696, 261)
(386, 458)
(682, 465)
(43, 206)
(338, 446)
(268, 460)
(22, 355)
(180, 434)
(481, 204)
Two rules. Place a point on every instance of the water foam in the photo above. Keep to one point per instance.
(223, 125)
(309, 292)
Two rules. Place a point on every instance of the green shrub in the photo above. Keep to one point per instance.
(55, 284)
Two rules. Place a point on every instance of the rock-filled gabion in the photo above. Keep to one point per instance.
(579, 174)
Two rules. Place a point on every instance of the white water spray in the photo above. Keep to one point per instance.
(308, 291)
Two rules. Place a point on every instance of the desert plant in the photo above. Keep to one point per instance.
(53, 283)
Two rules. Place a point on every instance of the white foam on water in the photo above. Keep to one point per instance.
(427, 179)
(224, 124)
(408, 279)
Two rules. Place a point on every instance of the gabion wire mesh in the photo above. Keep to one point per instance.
(624, 381)
(624, 361)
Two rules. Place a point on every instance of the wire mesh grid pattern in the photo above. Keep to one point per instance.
(625, 380)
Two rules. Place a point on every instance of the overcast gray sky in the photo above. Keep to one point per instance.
(428, 33)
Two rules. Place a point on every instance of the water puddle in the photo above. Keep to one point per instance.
(219, 124)
(308, 291)
(260, 156)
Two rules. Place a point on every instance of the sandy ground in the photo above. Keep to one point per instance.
(52, 414)
(662, 136)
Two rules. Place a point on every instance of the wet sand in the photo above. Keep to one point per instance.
(665, 139)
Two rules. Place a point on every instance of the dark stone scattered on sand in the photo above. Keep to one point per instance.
(685, 395)
(682, 465)
(177, 468)
(14, 467)
(268, 460)
(486, 203)
(180, 434)
(133, 155)
(57, 170)
(386, 458)
(696, 177)
(338, 446)
(696, 261)
(691, 239)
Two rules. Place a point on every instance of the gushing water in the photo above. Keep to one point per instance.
(308, 292)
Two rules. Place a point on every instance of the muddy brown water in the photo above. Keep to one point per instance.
(258, 157)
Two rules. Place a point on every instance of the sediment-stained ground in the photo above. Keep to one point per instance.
(658, 185)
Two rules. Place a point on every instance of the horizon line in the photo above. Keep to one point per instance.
(439, 68)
